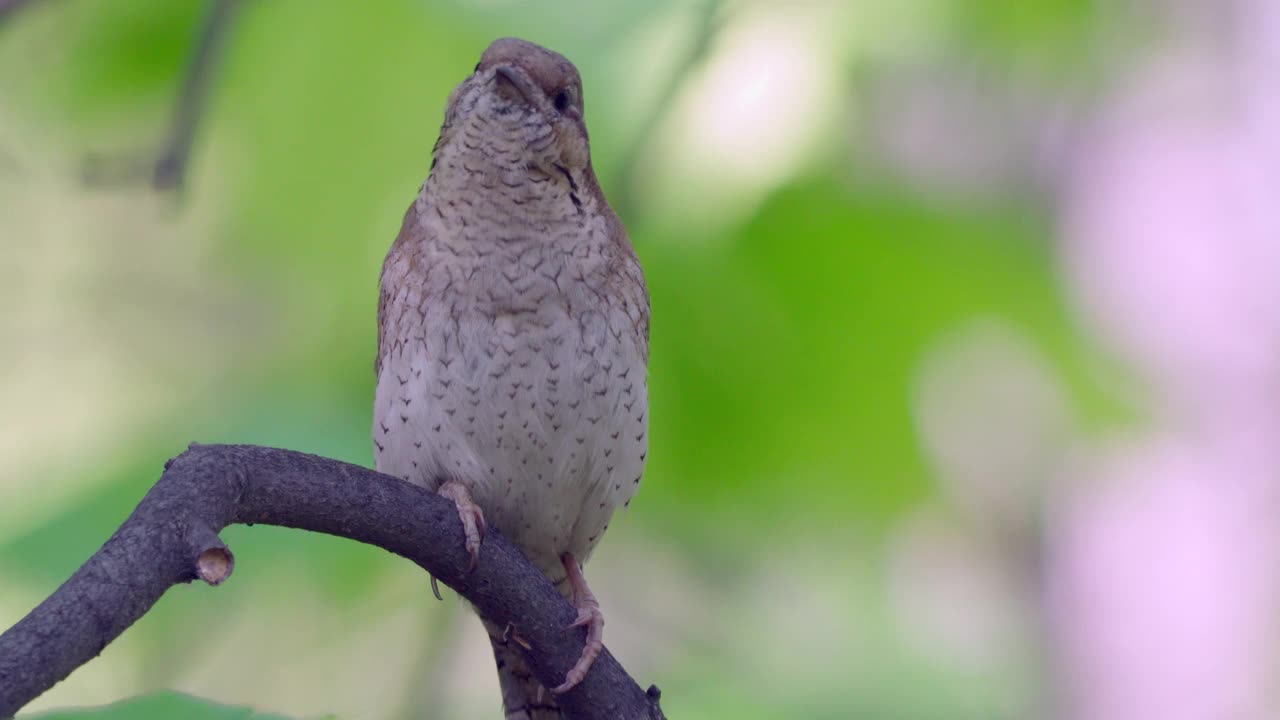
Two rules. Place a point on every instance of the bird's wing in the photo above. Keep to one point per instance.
(630, 286)
(392, 285)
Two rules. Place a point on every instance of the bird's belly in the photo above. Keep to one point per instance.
(547, 430)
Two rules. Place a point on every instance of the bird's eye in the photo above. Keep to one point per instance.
(475, 69)
(561, 101)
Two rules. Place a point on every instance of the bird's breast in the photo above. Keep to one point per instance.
(516, 371)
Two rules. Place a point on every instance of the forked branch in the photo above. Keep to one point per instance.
(172, 537)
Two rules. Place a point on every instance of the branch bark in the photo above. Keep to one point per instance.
(172, 537)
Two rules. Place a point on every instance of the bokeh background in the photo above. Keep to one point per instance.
(965, 354)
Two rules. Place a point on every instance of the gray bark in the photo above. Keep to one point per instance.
(172, 537)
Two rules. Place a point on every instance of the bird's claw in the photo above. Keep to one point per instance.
(510, 634)
(586, 616)
(589, 615)
(472, 517)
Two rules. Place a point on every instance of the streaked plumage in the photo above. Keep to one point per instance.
(513, 322)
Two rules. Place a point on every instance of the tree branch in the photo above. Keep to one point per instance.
(628, 174)
(169, 169)
(172, 537)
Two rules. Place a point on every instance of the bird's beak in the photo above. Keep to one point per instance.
(513, 84)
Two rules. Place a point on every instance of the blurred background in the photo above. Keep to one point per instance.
(965, 353)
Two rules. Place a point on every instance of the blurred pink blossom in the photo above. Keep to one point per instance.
(1162, 556)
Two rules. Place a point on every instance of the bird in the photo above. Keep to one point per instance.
(513, 339)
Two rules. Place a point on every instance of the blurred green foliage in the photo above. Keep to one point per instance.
(160, 706)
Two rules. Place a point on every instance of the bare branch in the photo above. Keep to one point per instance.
(171, 537)
(704, 34)
(168, 170)
(171, 168)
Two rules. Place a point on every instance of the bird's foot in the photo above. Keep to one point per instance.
(589, 615)
(473, 525)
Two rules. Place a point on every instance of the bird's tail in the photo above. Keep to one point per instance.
(523, 697)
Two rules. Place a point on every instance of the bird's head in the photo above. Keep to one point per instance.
(522, 106)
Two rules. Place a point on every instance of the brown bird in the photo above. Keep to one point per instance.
(513, 337)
